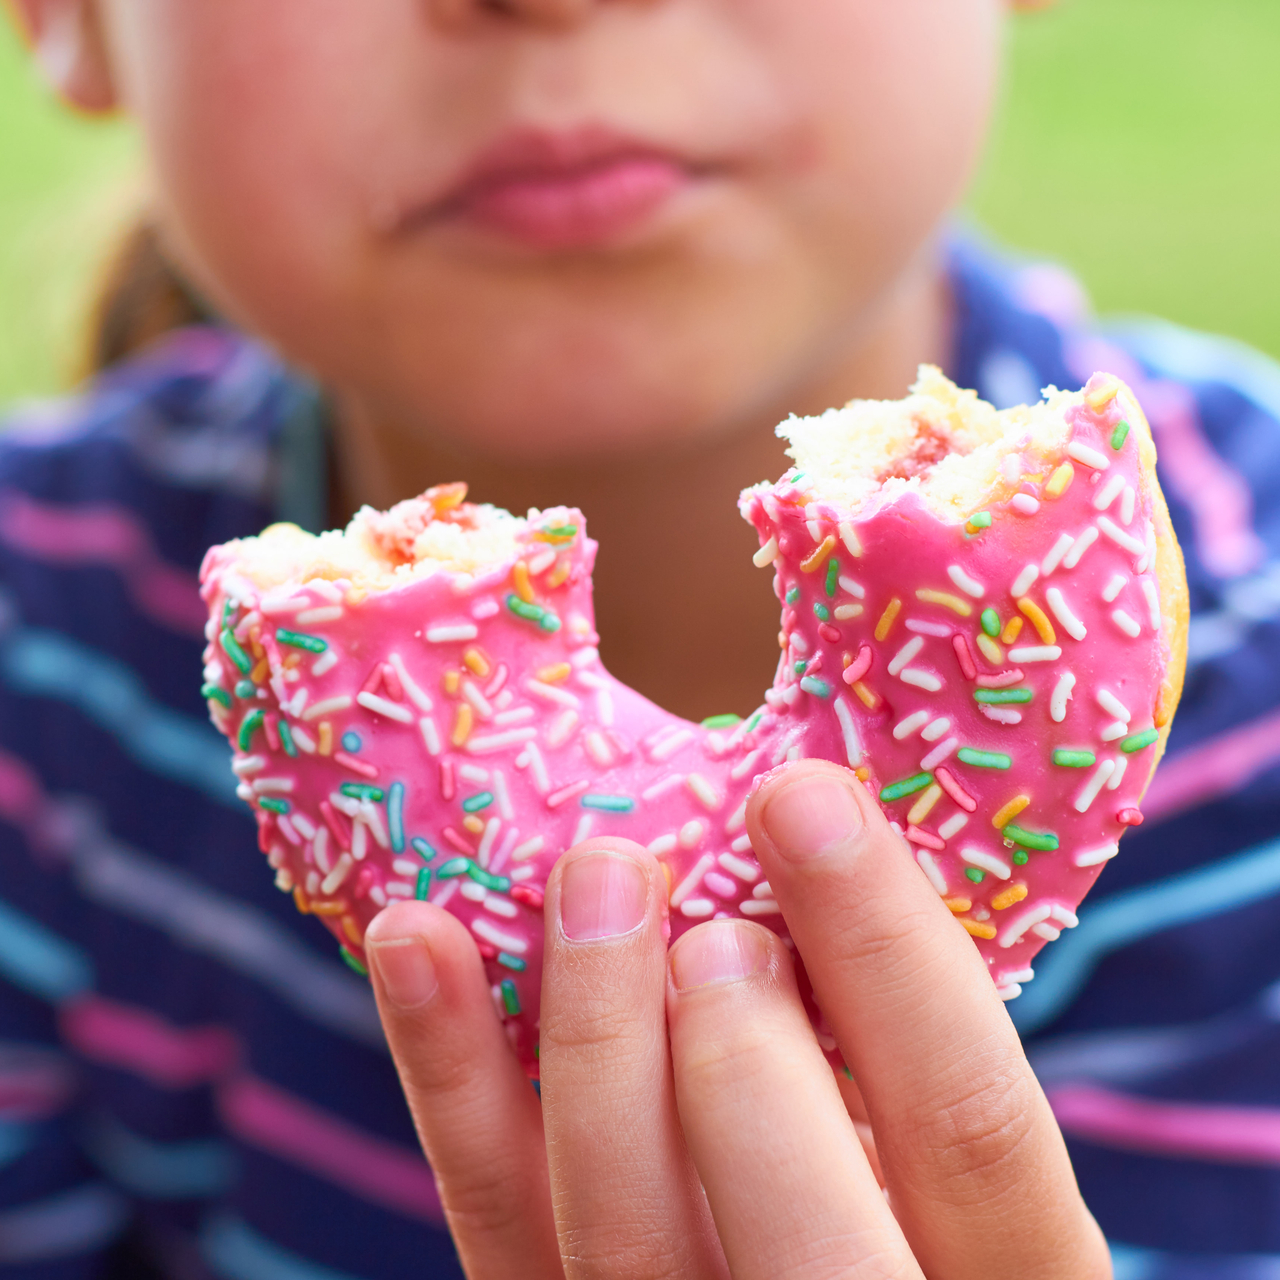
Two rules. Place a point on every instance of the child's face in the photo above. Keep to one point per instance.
(550, 227)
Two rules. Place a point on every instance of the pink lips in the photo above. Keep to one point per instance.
(562, 191)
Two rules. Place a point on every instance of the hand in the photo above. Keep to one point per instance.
(664, 1074)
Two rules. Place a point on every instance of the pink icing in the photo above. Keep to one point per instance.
(473, 736)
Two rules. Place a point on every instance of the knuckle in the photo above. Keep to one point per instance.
(621, 1250)
(486, 1199)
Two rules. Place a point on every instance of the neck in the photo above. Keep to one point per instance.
(683, 615)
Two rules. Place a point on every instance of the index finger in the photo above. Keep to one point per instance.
(976, 1169)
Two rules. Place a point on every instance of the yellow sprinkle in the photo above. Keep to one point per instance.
(1006, 813)
(862, 773)
(958, 905)
(818, 554)
(473, 824)
(259, 673)
(990, 650)
(946, 599)
(355, 595)
(555, 674)
(1011, 630)
(1059, 481)
(461, 725)
(891, 611)
(1102, 394)
(325, 735)
(979, 930)
(1007, 897)
(559, 573)
(870, 698)
(1044, 628)
(292, 661)
(450, 681)
(352, 930)
(924, 805)
(520, 576)
(477, 662)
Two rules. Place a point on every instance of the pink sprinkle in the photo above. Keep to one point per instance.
(337, 825)
(620, 741)
(273, 733)
(356, 766)
(944, 779)
(499, 679)
(1000, 681)
(458, 842)
(372, 684)
(859, 666)
(926, 838)
(447, 787)
(392, 682)
(487, 950)
(828, 633)
(963, 656)
(557, 798)
(363, 881)
(527, 894)
(814, 664)
(1129, 818)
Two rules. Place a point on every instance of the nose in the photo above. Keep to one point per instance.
(454, 14)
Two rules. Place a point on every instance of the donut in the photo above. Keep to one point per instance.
(983, 614)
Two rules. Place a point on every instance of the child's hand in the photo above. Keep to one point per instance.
(605, 1177)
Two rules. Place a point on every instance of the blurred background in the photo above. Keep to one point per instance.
(1136, 144)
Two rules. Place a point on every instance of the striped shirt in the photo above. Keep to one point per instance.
(190, 1080)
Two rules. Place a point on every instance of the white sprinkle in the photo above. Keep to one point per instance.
(597, 748)
(855, 589)
(739, 867)
(939, 754)
(1079, 547)
(509, 942)
(745, 765)
(1001, 715)
(372, 817)
(970, 586)
(815, 530)
(986, 862)
(1113, 706)
(1109, 492)
(320, 850)
(1027, 921)
(760, 907)
(496, 903)
(446, 894)
(1117, 729)
(736, 820)
(1115, 584)
(1062, 611)
(1024, 581)
(1009, 991)
(385, 707)
(538, 769)
(405, 866)
(692, 880)
(326, 613)
(1036, 653)
(327, 706)
(921, 679)
(447, 635)
(377, 895)
(850, 538)
(953, 824)
(342, 868)
(1122, 763)
(485, 743)
(528, 849)
(583, 830)
(939, 629)
(1091, 857)
(305, 825)
(286, 829)
(1061, 695)
(905, 728)
(1090, 457)
(491, 829)
(671, 782)
(1119, 537)
(277, 604)
(1024, 503)
(1153, 602)
(1018, 975)
(932, 871)
(323, 587)
(1056, 552)
(843, 612)
(521, 873)
(766, 555)
(298, 704)
(549, 693)
(1126, 505)
(703, 792)
(691, 833)
(697, 908)
(905, 654)
(665, 749)
(935, 729)
(741, 845)
(849, 731)
(326, 660)
(478, 701)
(430, 736)
(1089, 793)
(663, 845)
(1126, 624)
(561, 728)
(514, 716)
(484, 608)
(269, 785)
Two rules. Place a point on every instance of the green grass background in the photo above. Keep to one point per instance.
(1138, 142)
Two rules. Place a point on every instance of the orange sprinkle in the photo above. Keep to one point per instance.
(870, 698)
(1163, 714)
(1011, 631)
(818, 554)
(862, 773)
(989, 649)
(1007, 897)
(473, 824)
(352, 930)
(1044, 628)
(1006, 813)
(891, 611)
(325, 735)
(1059, 481)
(450, 680)
(300, 900)
(335, 908)
(945, 599)
(958, 905)
(444, 497)
(520, 576)
(255, 645)
(559, 573)
(462, 725)
(259, 673)
(477, 662)
(979, 930)
(292, 661)
(555, 674)
(355, 595)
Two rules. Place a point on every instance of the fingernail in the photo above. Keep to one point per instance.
(602, 895)
(407, 972)
(811, 816)
(714, 954)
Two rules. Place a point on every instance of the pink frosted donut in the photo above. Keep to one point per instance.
(983, 614)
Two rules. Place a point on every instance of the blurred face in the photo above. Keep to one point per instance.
(554, 229)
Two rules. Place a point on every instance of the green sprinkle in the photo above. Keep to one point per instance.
(1044, 840)
(481, 800)
(246, 689)
(1019, 857)
(990, 622)
(363, 791)
(274, 805)
(423, 887)
(726, 721)
(816, 686)
(997, 696)
(1120, 434)
(422, 849)
(974, 874)
(499, 884)
(312, 644)
(508, 961)
(793, 594)
(286, 739)
(984, 759)
(979, 520)
(1135, 742)
(833, 576)
(231, 647)
(249, 726)
(1074, 759)
(353, 962)
(756, 717)
(821, 611)
(228, 609)
(395, 817)
(847, 1072)
(800, 666)
(561, 530)
(545, 618)
(896, 790)
(454, 867)
(609, 804)
(510, 997)
(216, 693)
